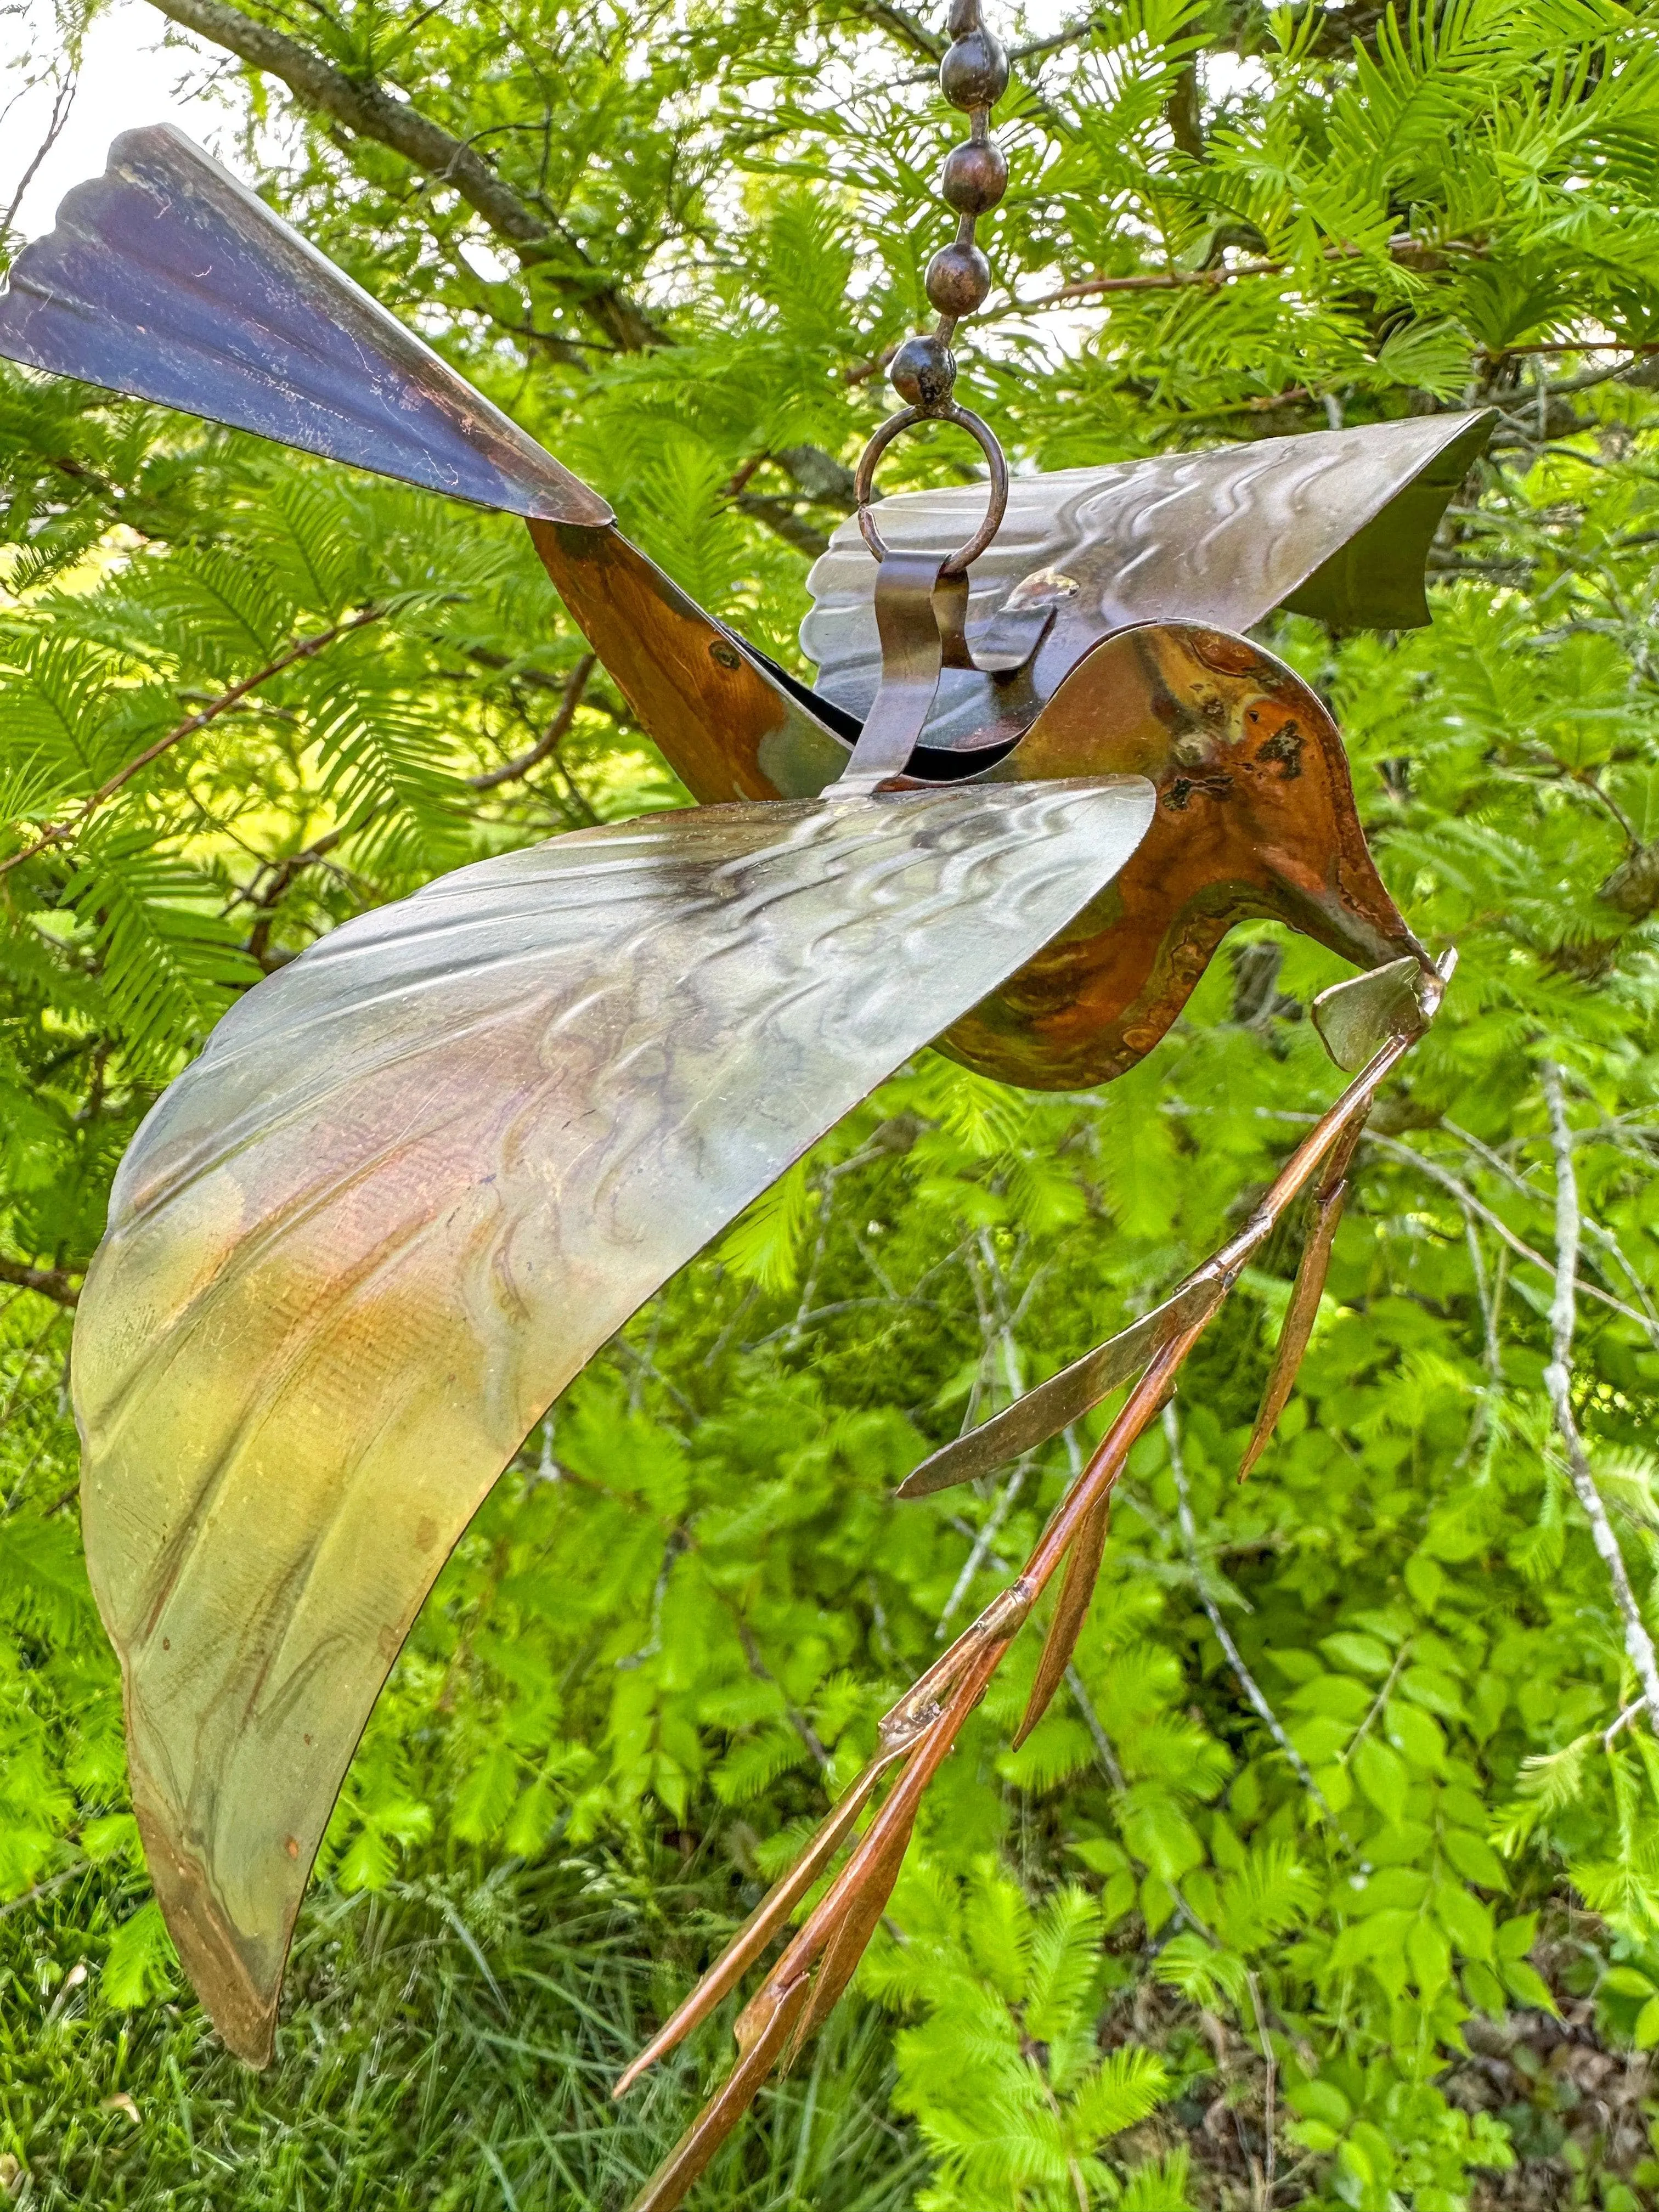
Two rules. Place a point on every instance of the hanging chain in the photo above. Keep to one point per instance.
(973, 76)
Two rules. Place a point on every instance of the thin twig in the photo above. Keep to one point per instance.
(1096, 1729)
(1467, 1199)
(982, 1543)
(1032, 50)
(1598, 1230)
(1173, 280)
(1377, 1704)
(1246, 1680)
(1557, 1381)
(1573, 345)
(1623, 1720)
(47, 1888)
(56, 832)
(48, 1282)
(63, 100)
(1269, 2090)
(797, 1719)
(1483, 1428)
(554, 735)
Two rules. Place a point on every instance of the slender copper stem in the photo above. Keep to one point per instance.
(763, 1923)
(921, 1728)
(1043, 1412)
(1082, 1572)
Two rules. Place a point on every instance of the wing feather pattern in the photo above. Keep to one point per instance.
(1334, 523)
(414, 1181)
(168, 278)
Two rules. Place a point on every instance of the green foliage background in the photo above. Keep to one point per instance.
(1399, 1946)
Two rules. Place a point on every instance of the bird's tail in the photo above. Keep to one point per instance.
(167, 279)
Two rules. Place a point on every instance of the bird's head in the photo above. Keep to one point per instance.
(1255, 819)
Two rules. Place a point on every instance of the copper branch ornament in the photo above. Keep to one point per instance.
(419, 1176)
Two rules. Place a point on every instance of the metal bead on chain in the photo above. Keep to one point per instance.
(973, 76)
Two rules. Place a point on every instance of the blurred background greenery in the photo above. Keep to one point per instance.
(1332, 1878)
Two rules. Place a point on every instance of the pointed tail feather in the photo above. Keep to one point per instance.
(167, 279)
(1082, 1573)
(1309, 1287)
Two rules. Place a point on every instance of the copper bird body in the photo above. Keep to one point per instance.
(418, 1176)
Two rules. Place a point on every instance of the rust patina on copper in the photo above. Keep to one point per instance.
(419, 1176)
(1255, 819)
(730, 723)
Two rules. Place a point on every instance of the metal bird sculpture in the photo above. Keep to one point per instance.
(419, 1176)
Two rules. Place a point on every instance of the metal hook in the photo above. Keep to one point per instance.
(864, 478)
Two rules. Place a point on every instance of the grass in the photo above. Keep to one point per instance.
(451, 2047)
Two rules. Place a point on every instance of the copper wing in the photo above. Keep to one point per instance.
(414, 1181)
(1335, 523)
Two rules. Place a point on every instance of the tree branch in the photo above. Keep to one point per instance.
(1408, 253)
(1235, 1658)
(63, 100)
(1030, 50)
(556, 731)
(1470, 1204)
(1557, 1381)
(54, 1283)
(909, 30)
(366, 110)
(369, 111)
(783, 521)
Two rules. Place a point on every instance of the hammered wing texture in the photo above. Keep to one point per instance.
(414, 1181)
(167, 278)
(1343, 517)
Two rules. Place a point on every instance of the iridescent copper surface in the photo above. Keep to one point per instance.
(730, 725)
(167, 278)
(416, 1179)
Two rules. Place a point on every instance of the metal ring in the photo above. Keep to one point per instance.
(878, 446)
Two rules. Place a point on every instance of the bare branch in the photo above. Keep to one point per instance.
(1622, 1721)
(1602, 1233)
(1408, 252)
(797, 1719)
(554, 735)
(369, 111)
(1097, 1728)
(1032, 49)
(1246, 1680)
(909, 30)
(54, 1283)
(782, 519)
(1467, 1199)
(1269, 2094)
(1557, 1381)
(987, 1537)
(62, 100)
